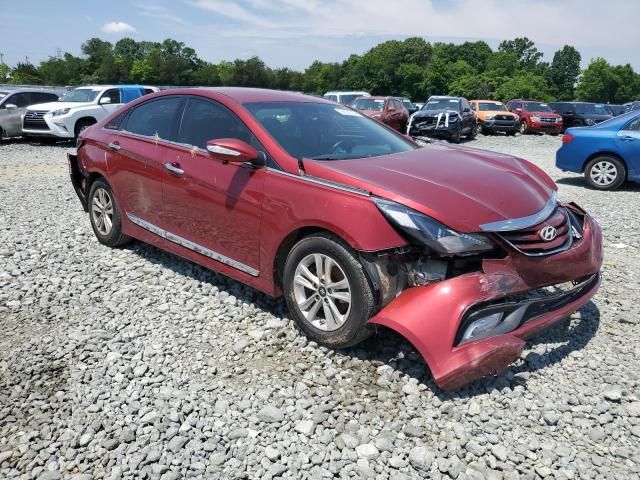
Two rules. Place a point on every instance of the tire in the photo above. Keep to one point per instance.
(82, 125)
(473, 133)
(523, 127)
(455, 138)
(605, 173)
(348, 325)
(100, 198)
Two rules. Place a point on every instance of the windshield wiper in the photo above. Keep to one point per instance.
(325, 157)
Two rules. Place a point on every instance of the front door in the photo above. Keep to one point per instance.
(213, 205)
(628, 143)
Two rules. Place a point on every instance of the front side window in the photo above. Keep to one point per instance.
(116, 122)
(156, 118)
(321, 131)
(205, 120)
(634, 125)
(113, 94)
(20, 100)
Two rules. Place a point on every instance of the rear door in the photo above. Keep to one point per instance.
(213, 205)
(137, 152)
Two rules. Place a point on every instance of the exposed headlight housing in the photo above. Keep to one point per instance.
(453, 117)
(490, 117)
(559, 120)
(62, 111)
(431, 233)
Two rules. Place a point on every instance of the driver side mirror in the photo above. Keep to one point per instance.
(10, 106)
(105, 100)
(235, 151)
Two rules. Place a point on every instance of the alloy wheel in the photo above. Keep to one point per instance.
(322, 292)
(102, 211)
(603, 173)
(523, 127)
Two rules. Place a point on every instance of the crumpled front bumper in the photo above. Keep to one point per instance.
(431, 316)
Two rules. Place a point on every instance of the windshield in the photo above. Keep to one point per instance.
(80, 95)
(326, 132)
(590, 109)
(619, 120)
(368, 104)
(408, 104)
(441, 104)
(536, 107)
(492, 107)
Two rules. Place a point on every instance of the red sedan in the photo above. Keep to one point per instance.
(354, 224)
(388, 110)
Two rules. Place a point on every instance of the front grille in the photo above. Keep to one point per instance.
(531, 242)
(547, 120)
(426, 122)
(505, 117)
(34, 120)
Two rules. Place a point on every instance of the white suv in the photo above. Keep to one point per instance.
(78, 109)
(345, 98)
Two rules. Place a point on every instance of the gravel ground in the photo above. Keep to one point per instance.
(133, 363)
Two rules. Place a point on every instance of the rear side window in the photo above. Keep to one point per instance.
(205, 120)
(155, 118)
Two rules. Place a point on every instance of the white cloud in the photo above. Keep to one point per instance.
(117, 28)
(586, 23)
(158, 11)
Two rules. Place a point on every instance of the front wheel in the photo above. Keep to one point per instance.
(473, 133)
(105, 216)
(328, 292)
(605, 173)
(523, 127)
(455, 137)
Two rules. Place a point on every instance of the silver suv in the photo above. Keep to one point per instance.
(14, 103)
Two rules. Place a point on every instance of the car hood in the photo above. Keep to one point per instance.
(484, 113)
(546, 114)
(57, 105)
(371, 113)
(433, 113)
(461, 187)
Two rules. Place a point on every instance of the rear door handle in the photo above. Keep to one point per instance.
(114, 146)
(173, 168)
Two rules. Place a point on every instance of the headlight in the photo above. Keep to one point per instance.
(559, 120)
(62, 111)
(590, 121)
(535, 118)
(490, 117)
(432, 233)
(453, 118)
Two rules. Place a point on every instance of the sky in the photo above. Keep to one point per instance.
(294, 33)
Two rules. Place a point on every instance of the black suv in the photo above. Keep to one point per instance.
(444, 117)
(580, 114)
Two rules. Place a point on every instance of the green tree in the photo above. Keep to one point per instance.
(564, 72)
(101, 63)
(524, 85)
(598, 82)
(524, 49)
(4, 72)
(25, 74)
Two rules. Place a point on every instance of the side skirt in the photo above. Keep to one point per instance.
(183, 242)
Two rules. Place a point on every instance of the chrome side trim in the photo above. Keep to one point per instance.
(183, 242)
(325, 183)
(522, 222)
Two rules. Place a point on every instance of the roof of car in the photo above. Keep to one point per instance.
(29, 90)
(489, 101)
(251, 95)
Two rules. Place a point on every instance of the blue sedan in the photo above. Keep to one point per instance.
(608, 153)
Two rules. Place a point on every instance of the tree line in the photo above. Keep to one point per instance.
(413, 68)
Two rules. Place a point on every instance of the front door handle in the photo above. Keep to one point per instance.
(627, 138)
(173, 168)
(114, 146)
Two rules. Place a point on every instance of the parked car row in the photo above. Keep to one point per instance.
(33, 112)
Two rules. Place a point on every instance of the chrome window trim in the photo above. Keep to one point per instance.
(522, 222)
(183, 242)
(325, 183)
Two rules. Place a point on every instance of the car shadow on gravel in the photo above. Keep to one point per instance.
(387, 347)
(578, 181)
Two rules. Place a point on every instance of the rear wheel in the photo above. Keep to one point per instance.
(327, 291)
(605, 173)
(105, 216)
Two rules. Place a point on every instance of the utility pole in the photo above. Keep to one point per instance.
(59, 53)
(1, 58)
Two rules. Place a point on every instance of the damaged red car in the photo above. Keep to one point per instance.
(465, 253)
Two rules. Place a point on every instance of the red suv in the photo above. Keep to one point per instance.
(535, 117)
(388, 110)
(354, 224)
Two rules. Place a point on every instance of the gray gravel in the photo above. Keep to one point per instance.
(132, 363)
